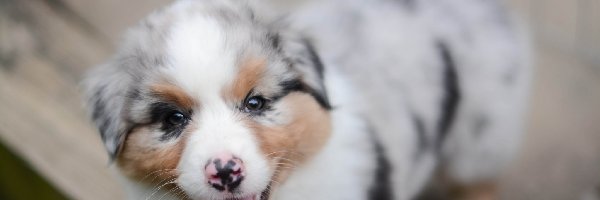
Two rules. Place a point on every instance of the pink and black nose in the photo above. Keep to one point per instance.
(224, 172)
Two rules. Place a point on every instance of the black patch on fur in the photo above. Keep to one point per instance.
(321, 99)
(451, 97)
(99, 113)
(315, 62)
(275, 41)
(321, 96)
(300, 56)
(160, 112)
(134, 94)
(98, 104)
(107, 124)
(381, 189)
(292, 85)
(421, 135)
(103, 125)
(296, 85)
(314, 58)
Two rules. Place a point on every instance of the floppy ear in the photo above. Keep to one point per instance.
(304, 59)
(107, 88)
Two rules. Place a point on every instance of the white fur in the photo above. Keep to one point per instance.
(201, 63)
(342, 169)
(198, 57)
(220, 131)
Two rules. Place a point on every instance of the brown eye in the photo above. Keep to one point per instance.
(254, 104)
(176, 119)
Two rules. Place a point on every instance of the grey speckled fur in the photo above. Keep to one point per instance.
(391, 52)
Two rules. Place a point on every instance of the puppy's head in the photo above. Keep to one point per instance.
(207, 97)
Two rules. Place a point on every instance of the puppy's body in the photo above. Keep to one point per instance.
(442, 83)
(356, 100)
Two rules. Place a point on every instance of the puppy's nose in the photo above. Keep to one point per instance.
(224, 172)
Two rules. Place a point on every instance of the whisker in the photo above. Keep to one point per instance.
(164, 171)
(180, 193)
(286, 152)
(289, 160)
(155, 190)
(170, 191)
(285, 165)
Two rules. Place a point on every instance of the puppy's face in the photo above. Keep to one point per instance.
(205, 99)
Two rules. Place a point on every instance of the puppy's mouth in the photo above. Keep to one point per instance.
(264, 195)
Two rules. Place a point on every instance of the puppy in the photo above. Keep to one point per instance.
(346, 99)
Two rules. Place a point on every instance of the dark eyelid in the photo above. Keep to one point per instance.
(158, 110)
(253, 93)
(250, 94)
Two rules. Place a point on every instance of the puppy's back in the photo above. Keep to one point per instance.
(442, 82)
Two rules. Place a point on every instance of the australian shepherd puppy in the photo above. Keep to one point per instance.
(342, 100)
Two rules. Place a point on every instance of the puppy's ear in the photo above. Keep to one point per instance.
(304, 59)
(107, 90)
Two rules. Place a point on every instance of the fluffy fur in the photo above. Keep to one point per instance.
(362, 99)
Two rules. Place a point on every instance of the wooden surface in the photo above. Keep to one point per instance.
(46, 46)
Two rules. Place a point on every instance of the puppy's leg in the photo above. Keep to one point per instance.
(478, 191)
(443, 187)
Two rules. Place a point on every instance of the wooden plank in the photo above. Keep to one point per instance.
(42, 58)
(556, 23)
(588, 40)
(112, 17)
(54, 137)
(560, 153)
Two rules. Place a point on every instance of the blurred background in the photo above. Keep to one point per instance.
(49, 150)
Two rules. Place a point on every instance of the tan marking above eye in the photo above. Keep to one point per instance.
(248, 76)
(173, 94)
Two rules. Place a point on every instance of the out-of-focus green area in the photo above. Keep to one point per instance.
(18, 181)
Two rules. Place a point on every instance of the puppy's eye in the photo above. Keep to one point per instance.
(176, 119)
(254, 104)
